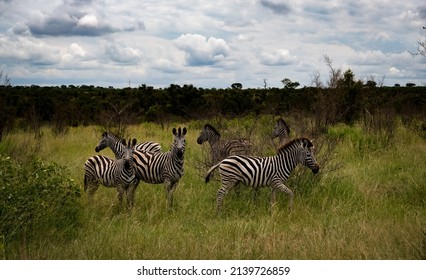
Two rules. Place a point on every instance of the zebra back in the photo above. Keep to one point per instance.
(220, 148)
(115, 144)
(235, 147)
(148, 146)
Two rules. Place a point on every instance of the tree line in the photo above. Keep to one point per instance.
(30, 107)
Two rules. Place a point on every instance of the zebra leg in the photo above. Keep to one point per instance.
(283, 188)
(273, 196)
(170, 188)
(130, 195)
(221, 193)
(120, 192)
(91, 186)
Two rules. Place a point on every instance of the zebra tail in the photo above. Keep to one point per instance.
(210, 171)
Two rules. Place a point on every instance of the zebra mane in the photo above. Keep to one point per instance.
(292, 142)
(112, 135)
(281, 120)
(208, 126)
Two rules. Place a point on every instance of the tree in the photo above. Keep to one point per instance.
(236, 86)
(371, 84)
(335, 74)
(348, 79)
(289, 84)
(421, 49)
(6, 79)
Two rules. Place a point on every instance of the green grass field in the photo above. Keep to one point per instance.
(367, 201)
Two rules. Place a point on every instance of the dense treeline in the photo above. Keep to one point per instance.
(29, 107)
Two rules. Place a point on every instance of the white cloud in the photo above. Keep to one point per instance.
(209, 44)
(77, 50)
(277, 57)
(202, 51)
(122, 54)
(27, 50)
(88, 20)
(394, 71)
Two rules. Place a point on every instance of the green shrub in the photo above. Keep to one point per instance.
(36, 199)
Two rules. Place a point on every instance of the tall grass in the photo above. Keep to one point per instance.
(367, 202)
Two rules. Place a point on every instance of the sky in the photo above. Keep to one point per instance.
(209, 44)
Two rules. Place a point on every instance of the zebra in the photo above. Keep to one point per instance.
(114, 143)
(118, 173)
(281, 130)
(222, 148)
(270, 171)
(167, 168)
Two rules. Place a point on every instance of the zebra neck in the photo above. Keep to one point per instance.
(214, 140)
(117, 149)
(290, 158)
(283, 139)
(174, 157)
(115, 145)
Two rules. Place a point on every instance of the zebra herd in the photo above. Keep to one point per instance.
(146, 162)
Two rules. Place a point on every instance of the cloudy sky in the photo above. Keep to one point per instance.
(209, 43)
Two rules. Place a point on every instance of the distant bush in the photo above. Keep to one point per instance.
(36, 199)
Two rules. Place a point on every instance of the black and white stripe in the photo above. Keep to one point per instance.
(281, 130)
(265, 171)
(167, 168)
(114, 143)
(222, 148)
(118, 173)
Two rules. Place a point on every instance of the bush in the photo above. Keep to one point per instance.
(36, 199)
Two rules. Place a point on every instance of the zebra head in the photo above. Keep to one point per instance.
(103, 143)
(128, 153)
(179, 141)
(113, 142)
(209, 133)
(281, 129)
(308, 157)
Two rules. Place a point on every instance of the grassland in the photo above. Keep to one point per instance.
(367, 202)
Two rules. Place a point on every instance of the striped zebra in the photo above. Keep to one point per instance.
(281, 130)
(118, 173)
(167, 168)
(114, 143)
(220, 148)
(265, 171)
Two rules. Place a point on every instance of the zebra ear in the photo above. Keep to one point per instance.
(174, 131)
(134, 141)
(123, 141)
(184, 131)
(305, 143)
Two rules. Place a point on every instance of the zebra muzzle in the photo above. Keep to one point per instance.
(180, 154)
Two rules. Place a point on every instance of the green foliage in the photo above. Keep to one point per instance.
(36, 199)
(345, 100)
(361, 140)
(366, 202)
